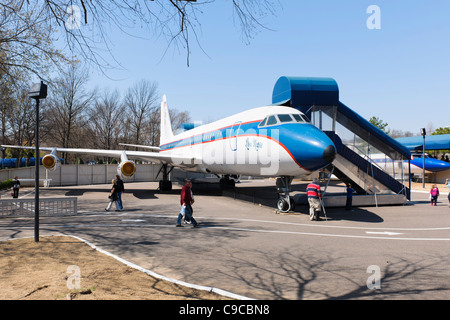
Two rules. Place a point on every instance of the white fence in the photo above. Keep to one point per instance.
(70, 175)
(47, 206)
(83, 174)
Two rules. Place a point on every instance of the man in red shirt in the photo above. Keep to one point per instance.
(314, 196)
(186, 201)
(186, 194)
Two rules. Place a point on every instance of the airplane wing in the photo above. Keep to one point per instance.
(177, 161)
(140, 146)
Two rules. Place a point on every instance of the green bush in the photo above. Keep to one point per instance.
(7, 184)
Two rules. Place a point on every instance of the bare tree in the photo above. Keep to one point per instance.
(140, 103)
(6, 106)
(106, 120)
(395, 133)
(178, 117)
(29, 28)
(20, 121)
(26, 39)
(154, 125)
(68, 104)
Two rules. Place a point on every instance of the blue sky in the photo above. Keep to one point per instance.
(399, 73)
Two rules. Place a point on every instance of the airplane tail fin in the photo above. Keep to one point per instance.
(166, 133)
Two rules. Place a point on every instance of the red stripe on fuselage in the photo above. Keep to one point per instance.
(244, 135)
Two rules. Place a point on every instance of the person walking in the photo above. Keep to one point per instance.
(350, 191)
(120, 190)
(112, 196)
(314, 196)
(434, 194)
(15, 187)
(448, 186)
(186, 201)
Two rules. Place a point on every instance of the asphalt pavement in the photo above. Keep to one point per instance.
(244, 247)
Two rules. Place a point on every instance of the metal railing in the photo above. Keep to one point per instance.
(47, 207)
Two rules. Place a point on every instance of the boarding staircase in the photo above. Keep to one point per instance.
(364, 175)
(316, 97)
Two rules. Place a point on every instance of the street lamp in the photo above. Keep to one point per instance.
(424, 133)
(37, 91)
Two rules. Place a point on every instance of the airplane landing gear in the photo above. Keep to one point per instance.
(165, 184)
(225, 181)
(285, 203)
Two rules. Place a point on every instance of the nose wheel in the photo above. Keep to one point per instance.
(285, 202)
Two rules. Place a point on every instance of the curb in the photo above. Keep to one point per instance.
(161, 277)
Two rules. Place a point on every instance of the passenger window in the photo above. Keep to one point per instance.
(272, 120)
(285, 118)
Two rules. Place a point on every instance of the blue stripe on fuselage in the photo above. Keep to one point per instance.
(303, 141)
(213, 135)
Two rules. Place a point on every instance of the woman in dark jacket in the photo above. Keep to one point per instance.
(15, 187)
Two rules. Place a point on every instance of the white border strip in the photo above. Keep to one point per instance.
(156, 275)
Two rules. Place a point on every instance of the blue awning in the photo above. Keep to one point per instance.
(432, 142)
(306, 91)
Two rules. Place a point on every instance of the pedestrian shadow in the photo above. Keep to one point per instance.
(79, 192)
(143, 194)
(356, 214)
(146, 243)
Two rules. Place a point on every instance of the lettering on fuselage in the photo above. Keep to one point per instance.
(241, 145)
(253, 144)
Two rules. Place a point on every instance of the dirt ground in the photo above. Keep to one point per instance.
(41, 271)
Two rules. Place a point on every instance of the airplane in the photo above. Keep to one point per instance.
(431, 164)
(270, 141)
(12, 162)
(432, 142)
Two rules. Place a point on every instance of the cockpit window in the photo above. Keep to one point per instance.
(262, 123)
(281, 118)
(284, 118)
(419, 156)
(272, 120)
(298, 118)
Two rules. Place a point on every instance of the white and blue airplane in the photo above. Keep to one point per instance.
(417, 164)
(271, 141)
(431, 164)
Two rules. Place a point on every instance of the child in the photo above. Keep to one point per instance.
(448, 186)
(434, 194)
(113, 196)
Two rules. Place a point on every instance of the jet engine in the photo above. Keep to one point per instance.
(126, 169)
(51, 162)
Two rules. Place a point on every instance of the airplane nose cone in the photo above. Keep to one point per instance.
(329, 153)
(310, 147)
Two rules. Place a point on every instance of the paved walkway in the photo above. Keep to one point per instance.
(243, 247)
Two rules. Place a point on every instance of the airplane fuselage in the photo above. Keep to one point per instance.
(431, 165)
(268, 141)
